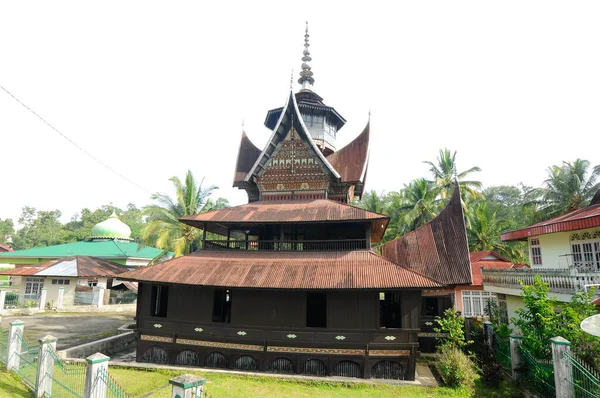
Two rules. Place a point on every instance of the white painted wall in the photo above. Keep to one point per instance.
(554, 247)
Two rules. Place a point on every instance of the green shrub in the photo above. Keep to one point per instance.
(456, 368)
(453, 325)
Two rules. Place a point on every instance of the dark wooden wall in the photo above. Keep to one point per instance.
(345, 309)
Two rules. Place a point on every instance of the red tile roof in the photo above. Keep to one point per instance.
(84, 267)
(4, 248)
(437, 249)
(588, 217)
(247, 155)
(351, 161)
(478, 261)
(361, 269)
(296, 211)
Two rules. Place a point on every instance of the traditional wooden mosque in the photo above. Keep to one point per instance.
(294, 285)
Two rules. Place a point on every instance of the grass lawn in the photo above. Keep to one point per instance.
(137, 383)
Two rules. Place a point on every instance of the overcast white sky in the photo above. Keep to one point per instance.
(156, 88)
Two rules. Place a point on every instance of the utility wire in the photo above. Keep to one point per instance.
(74, 143)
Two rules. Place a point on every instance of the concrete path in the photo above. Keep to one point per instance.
(70, 329)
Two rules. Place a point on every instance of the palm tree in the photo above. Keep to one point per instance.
(413, 206)
(445, 172)
(484, 229)
(568, 187)
(372, 201)
(163, 228)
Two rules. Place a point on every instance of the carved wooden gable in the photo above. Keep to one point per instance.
(294, 171)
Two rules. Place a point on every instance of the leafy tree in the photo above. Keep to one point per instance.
(372, 201)
(40, 228)
(164, 230)
(453, 324)
(569, 187)
(7, 230)
(445, 171)
(484, 229)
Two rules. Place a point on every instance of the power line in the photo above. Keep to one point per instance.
(74, 143)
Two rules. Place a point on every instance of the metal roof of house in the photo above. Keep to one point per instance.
(360, 269)
(294, 211)
(104, 249)
(588, 217)
(438, 248)
(351, 161)
(75, 267)
(487, 259)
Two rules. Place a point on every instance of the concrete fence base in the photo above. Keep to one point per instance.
(107, 346)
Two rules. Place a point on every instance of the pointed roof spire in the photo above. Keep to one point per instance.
(306, 79)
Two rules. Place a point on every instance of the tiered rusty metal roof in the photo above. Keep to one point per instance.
(75, 267)
(351, 161)
(360, 269)
(588, 217)
(437, 249)
(487, 259)
(296, 211)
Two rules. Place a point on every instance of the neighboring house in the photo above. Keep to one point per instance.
(77, 275)
(4, 248)
(564, 251)
(110, 240)
(472, 300)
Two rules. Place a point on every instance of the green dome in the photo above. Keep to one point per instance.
(111, 228)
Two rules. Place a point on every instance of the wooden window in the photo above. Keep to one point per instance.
(61, 281)
(33, 288)
(586, 255)
(389, 310)
(316, 310)
(222, 306)
(160, 301)
(536, 251)
(475, 302)
(92, 282)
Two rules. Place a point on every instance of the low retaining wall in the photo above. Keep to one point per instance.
(107, 346)
(104, 308)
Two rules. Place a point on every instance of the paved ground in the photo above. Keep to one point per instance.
(70, 329)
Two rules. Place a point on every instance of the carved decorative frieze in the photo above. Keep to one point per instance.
(161, 339)
(317, 351)
(216, 344)
(389, 353)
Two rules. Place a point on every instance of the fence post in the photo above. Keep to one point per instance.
(42, 304)
(45, 367)
(488, 333)
(60, 298)
(2, 299)
(563, 369)
(94, 386)
(15, 333)
(516, 357)
(187, 386)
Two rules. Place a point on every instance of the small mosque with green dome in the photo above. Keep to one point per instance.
(109, 239)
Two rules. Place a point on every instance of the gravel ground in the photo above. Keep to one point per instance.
(70, 329)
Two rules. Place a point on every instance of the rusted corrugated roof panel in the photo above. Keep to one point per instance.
(360, 269)
(588, 217)
(295, 211)
(351, 161)
(247, 156)
(486, 259)
(437, 249)
(78, 266)
(4, 248)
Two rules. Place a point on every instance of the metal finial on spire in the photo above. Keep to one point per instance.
(306, 79)
(292, 79)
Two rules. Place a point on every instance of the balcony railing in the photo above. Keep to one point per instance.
(567, 281)
(287, 245)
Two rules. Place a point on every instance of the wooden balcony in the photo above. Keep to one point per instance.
(565, 280)
(287, 245)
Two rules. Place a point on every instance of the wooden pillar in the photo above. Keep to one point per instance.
(368, 237)
(246, 238)
(204, 236)
(228, 236)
